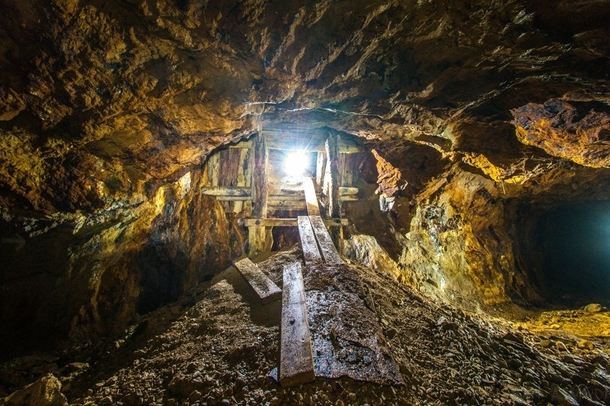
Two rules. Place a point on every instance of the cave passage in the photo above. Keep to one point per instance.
(576, 249)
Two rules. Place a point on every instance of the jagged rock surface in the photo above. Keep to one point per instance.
(106, 106)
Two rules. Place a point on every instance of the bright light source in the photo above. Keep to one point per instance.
(296, 163)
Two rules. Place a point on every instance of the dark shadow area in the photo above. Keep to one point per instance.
(575, 247)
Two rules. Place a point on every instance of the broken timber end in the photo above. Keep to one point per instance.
(264, 287)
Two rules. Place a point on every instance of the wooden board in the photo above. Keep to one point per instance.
(313, 209)
(227, 191)
(348, 191)
(296, 358)
(329, 252)
(287, 222)
(264, 287)
(291, 137)
(309, 246)
(332, 169)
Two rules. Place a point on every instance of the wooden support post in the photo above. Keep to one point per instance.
(320, 168)
(264, 287)
(332, 170)
(313, 209)
(296, 358)
(260, 238)
(311, 253)
(261, 177)
(327, 247)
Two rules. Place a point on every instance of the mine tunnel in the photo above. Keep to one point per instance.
(304, 203)
(567, 251)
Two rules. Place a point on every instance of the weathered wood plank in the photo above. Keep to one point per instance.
(228, 191)
(287, 222)
(320, 167)
(332, 169)
(213, 165)
(329, 252)
(313, 209)
(260, 238)
(296, 358)
(264, 287)
(309, 246)
(261, 177)
(305, 140)
(348, 191)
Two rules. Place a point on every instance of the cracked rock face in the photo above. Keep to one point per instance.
(489, 111)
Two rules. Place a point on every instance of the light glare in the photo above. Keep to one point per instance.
(295, 163)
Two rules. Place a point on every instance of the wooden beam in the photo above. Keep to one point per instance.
(348, 191)
(264, 287)
(329, 252)
(260, 238)
(261, 177)
(305, 140)
(213, 165)
(296, 357)
(320, 165)
(309, 246)
(234, 199)
(313, 209)
(332, 154)
(287, 222)
(227, 191)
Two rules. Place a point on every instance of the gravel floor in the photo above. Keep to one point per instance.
(217, 346)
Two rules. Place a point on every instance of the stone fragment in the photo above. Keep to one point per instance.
(593, 308)
(46, 391)
(561, 397)
(585, 344)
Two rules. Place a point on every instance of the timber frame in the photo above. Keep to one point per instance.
(248, 181)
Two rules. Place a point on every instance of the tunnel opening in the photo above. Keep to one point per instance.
(569, 253)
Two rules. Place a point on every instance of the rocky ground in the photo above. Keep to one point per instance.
(218, 345)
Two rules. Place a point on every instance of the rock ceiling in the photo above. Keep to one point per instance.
(101, 98)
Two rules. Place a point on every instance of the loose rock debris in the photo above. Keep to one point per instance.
(206, 349)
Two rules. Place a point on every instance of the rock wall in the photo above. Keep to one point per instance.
(94, 274)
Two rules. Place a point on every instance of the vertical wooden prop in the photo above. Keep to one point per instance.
(260, 238)
(332, 153)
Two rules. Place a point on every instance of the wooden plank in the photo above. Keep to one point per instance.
(228, 191)
(320, 164)
(329, 252)
(287, 222)
(260, 238)
(242, 145)
(213, 165)
(332, 154)
(261, 177)
(294, 138)
(311, 253)
(296, 357)
(313, 209)
(348, 191)
(264, 287)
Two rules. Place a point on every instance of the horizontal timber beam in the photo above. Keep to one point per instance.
(287, 222)
(227, 191)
